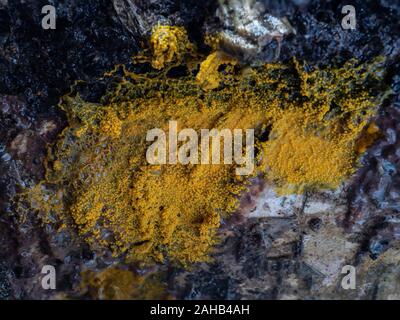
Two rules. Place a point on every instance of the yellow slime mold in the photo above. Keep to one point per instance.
(98, 179)
(169, 44)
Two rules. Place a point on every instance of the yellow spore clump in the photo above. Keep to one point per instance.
(111, 125)
(297, 158)
(209, 77)
(169, 44)
(99, 181)
(368, 138)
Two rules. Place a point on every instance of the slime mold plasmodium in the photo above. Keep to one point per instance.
(99, 182)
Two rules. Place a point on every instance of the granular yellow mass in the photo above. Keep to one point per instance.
(308, 126)
(169, 44)
(209, 77)
(297, 158)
